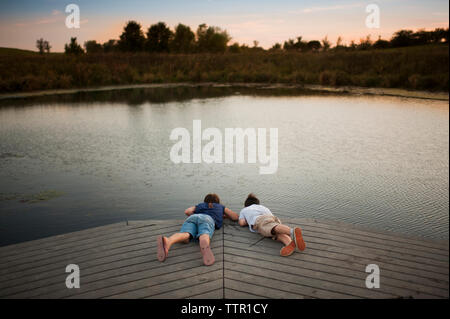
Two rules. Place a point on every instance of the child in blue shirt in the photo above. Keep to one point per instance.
(202, 221)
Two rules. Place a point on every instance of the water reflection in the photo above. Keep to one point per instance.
(381, 162)
(157, 95)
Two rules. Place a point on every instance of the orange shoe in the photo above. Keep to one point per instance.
(298, 239)
(288, 249)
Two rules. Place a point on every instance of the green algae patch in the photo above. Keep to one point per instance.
(31, 198)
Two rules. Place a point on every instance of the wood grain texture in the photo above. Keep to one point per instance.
(119, 261)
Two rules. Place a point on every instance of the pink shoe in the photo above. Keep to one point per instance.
(162, 252)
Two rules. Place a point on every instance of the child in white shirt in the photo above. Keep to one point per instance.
(261, 220)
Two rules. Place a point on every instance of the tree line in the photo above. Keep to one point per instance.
(160, 38)
(402, 38)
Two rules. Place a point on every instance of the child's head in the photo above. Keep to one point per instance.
(211, 199)
(251, 199)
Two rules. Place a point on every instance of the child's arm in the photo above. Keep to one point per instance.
(242, 222)
(190, 211)
(230, 214)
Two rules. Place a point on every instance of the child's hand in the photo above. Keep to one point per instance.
(190, 211)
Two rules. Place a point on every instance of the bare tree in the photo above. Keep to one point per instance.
(47, 46)
(326, 44)
(43, 46)
(40, 45)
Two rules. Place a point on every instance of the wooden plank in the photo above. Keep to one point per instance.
(109, 277)
(436, 265)
(147, 222)
(91, 255)
(414, 261)
(245, 284)
(390, 244)
(119, 261)
(196, 290)
(236, 294)
(400, 278)
(61, 247)
(18, 248)
(385, 245)
(118, 284)
(253, 238)
(73, 240)
(353, 281)
(91, 271)
(350, 256)
(21, 248)
(87, 249)
(93, 251)
(365, 231)
(214, 294)
(99, 257)
(305, 281)
(147, 281)
(439, 272)
(189, 279)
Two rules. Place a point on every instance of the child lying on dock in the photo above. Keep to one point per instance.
(260, 219)
(202, 221)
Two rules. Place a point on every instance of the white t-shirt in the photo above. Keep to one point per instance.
(250, 213)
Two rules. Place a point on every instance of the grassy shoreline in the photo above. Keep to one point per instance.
(411, 68)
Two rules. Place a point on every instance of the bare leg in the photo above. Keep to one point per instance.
(285, 239)
(281, 229)
(176, 238)
(204, 239)
(208, 256)
(283, 234)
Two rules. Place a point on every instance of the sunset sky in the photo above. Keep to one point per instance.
(22, 22)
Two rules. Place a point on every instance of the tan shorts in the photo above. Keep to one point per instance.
(264, 225)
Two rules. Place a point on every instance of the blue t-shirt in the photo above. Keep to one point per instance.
(216, 212)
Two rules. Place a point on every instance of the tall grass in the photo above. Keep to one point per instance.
(421, 68)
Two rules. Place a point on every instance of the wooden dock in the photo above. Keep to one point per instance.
(119, 261)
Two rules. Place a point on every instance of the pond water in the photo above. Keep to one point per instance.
(91, 159)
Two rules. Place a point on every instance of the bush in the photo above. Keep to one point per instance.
(410, 67)
(420, 82)
(326, 78)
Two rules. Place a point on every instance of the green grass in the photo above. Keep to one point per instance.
(418, 68)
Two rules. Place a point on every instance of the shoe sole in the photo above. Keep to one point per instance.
(292, 251)
(161, 249)
(299, 242)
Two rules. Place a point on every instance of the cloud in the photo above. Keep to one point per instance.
(331, 8)
(56, 16)
(49, 20)
(440, 13)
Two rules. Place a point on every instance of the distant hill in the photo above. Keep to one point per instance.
(13, 51)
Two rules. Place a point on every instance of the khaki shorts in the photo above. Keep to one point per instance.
(264, 225)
